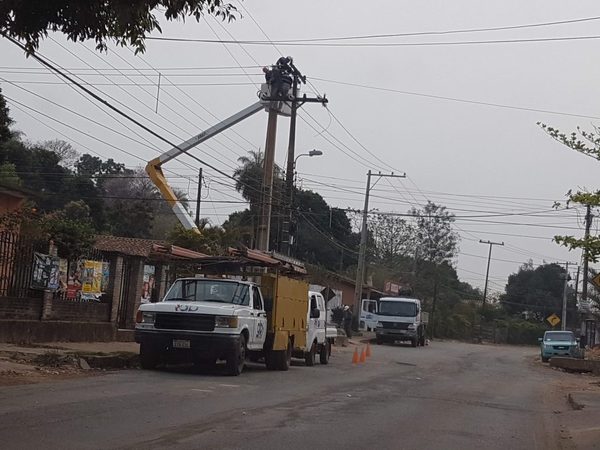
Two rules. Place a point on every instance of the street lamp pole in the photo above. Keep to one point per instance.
(286, 238)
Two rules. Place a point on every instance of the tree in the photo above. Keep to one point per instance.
(436, 241)
(537, 291)
(125, 22)
(65, 151)
(5, 120)
(9, 176)
(70, 229)
(392, 236)
(586, 143)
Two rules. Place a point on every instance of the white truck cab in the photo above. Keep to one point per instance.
(368, 315)
(211, 318)
(319, 336)
(401, 319)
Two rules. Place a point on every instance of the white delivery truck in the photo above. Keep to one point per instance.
(319, 335)
(401, 319)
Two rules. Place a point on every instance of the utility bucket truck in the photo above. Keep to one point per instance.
(235, 312)
(401, 319)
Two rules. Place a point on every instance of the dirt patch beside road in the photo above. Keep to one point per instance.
(46, 362)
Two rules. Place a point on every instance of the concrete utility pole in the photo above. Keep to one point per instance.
(487, 272)
(264, 224)
(199, 198)
(588, 225)
(289, 174)
(362, 251)
(563, 323)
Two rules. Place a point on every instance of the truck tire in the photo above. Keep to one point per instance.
(422, 340)
(325, 352)
(310, 356)
(414, 342)
(544, 359)
(237, 358)
(149, 357)
(379, 340)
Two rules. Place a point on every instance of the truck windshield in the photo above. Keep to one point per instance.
(558, 336)
(403, 309)
(203, 290)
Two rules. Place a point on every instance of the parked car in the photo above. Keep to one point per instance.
(558, 343)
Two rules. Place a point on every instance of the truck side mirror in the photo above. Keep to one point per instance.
(539, 339)
(315, 313)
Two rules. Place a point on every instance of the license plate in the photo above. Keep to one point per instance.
(181, 343)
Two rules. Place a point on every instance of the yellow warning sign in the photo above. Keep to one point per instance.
(596, 281)
(553, 319)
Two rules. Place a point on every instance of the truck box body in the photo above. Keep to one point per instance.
(286, 316)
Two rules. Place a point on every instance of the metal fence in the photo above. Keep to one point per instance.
(16, 265)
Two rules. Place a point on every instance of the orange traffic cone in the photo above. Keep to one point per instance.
(368, 350)
(355, 356)
(363, 356)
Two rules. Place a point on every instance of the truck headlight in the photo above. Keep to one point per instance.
(379, 325)
(412, 326)
(226, 322)
(145, 317)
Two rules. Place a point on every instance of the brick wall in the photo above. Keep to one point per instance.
(80, 311)
(20, 308)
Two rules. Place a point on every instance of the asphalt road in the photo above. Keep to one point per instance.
(445, 396)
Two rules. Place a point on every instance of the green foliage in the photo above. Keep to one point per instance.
(5, 120)
(436, 240)
(126, 23)
(536, 291)
(586, 143)
(8, 175)
(70, 229)
(210, 241)
(392, 237)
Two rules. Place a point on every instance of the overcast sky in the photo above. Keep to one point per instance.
(477, 160)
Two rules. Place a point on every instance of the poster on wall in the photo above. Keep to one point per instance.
(91, 277)
(105, 276)
(148, 284)
(45, 273)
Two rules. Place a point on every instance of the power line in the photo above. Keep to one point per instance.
(376, 45)
(427, 33)
(455, 99)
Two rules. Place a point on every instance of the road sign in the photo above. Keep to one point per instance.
(596, 281)
(553, 319)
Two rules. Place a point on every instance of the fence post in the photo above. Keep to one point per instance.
(47, 304)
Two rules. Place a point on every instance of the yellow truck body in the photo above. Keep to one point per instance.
(286, 316)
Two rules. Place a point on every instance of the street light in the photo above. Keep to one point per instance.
(311, 153)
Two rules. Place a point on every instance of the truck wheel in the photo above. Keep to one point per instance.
(379, 340)
(422, 340)
(285, 358)
(544, 359)
(325, 352)
(414, 342)
(237, 359)
(311, 356)
(149, 358)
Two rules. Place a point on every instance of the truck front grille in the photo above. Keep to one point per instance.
(191, 322)
(395, 325)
